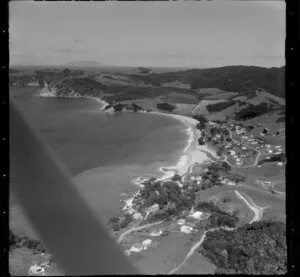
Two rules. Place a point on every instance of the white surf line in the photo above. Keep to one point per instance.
(258, 211)
(137, 228)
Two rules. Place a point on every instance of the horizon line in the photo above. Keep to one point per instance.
(137, 66)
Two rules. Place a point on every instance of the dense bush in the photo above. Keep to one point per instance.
(136, 107)
(273, 158)
(157, 216)
(108, 106)
(236, 177)
(219, 166)
(228, 78)
(252, 111)
(125, 221)
(23, 241)
(165, 107)
(218, 217)
(259, 248)
(114, 223)
(201, 141)
(176, 177)
(118, 107)
(202, 121)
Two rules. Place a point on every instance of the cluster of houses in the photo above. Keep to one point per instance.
(138, 247)
(240, 154)
(38, 269)
(255, 142)
(238, 129)
(227, 182)
(237, 153)
(196, 178)
(183, 225)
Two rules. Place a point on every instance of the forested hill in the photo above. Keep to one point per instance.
(228, 78)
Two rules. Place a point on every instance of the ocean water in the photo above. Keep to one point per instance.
(104, 152)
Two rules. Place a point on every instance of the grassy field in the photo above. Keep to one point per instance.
(201, 107)
(197, 263)
(170, 252)
(223, 96)
(20, 260)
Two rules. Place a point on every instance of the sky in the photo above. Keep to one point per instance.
(167, 34)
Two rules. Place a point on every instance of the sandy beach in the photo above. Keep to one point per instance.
(193, 153)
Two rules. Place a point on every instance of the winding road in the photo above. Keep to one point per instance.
(191, 252)
(121, 237)
(226, 156)
(258, 211)
(259, 153)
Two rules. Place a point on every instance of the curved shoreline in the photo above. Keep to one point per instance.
(191, 154)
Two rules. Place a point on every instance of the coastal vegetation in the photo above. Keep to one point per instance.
(202, 121)
(165, 107)
(258, 248)
(118, 107)
(42, 76)
(250, 249)
(166, 200)
(16, 241)
(116, 223)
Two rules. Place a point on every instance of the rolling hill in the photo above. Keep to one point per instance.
(228, 78)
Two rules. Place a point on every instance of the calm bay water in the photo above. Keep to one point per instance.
(104, 151)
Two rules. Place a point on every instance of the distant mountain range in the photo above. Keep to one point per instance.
(84, 64)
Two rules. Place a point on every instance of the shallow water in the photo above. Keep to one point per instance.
(106, 151)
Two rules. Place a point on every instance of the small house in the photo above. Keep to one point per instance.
(137, 247)
(186, 229)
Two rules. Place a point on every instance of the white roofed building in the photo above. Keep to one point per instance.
(186, 229)
(137, 247)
